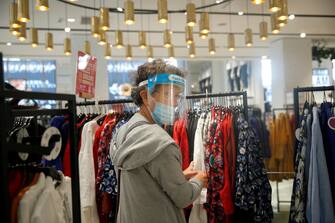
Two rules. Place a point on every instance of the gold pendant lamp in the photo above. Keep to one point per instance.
(49, 45)
(13, 21)
(102, 38)
(231, 41)
(191, 50)
(283, 12)
(87, 47)
(275, 28)
(108, 51)
(282, 23)
(211, 46)
(23, 32)
(274, 5)
(257, 2)
(203, 35)
(95, 26)
(129, 14)
(167, 38)
(118, 39)
(150, 53)
(248, 37)
(42, 5)
(129, 53)
(104, 18)
(171, 52)
(23, 10)
(67, 47)
(191, 18)
(189, 35)
(263, 30)
(142, 39)
(34, 37)
(14, 31)
(162, 11)
(204, 23)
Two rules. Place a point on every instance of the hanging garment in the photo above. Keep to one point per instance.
(198, 213)
(87, 174)
(49, 206)
(28, 201)
(252, 187)
(153, 187)
(231, 79)
(237, 79)
(298, 200)
(181, 139)
(319, 208)
(244, 75)
(65, 191)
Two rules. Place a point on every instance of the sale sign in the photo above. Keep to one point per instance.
(86, 75)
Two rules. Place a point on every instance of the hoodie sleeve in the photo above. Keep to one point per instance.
(167, 171)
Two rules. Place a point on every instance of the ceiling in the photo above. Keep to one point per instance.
(315, 18)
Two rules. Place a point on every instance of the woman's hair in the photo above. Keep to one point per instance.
(151, 68)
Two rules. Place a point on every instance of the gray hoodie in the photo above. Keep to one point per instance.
(153, 188)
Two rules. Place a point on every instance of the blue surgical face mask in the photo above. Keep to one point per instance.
(163, 114)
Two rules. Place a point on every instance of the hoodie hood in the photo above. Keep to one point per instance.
(138, 142)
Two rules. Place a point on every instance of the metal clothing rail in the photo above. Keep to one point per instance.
(7, 115)
(105, 102)
(298, 90)
(222, 95)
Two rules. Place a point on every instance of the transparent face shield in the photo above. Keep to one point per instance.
(166, 98)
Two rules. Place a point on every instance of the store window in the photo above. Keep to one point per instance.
(31, 75)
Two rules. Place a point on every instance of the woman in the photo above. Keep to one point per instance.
(152, 186)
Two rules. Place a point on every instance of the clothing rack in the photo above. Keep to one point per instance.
(222, 95)
(298, 90)
(105, 102)
(6, 118)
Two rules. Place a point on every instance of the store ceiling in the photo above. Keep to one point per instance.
(316, 27)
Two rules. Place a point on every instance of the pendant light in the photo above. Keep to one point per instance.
(171, 52)
(49, 45)
(87, 47)
(102, 38)
(13, 21)
(275, 28)
(189, 34)
(203, 35)
(230, 36)
(274, 5)
(108, 51)
(283, 12)
(211, 46)
(142, 39)
(15, 31)
(104, 18)
(23, 32)
(34, 37)
(42, 5)
(129, 17)
(257, 2)
(204, 23)
(95, 26)
(263, 27)
(23, 10)
(191, 50)
(150, 53)
(190, 14)
(118, 39)
(162, 11)
(67, 47)
(167, 38)
(231, 41)
(129, 54)
(248, 37)
(282, 23)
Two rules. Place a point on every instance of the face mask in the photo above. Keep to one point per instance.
(163, 114)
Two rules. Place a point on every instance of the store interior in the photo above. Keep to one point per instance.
(281, 53)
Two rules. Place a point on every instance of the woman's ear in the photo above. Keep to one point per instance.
(144, 96)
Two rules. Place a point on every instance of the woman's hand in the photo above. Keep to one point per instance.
(202, 176)
(190, 172)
